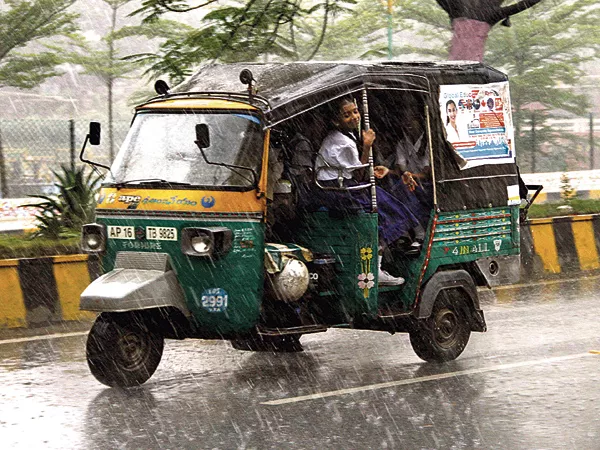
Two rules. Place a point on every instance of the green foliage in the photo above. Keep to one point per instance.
(14, 246)
(567, 192)
(63, 215)
(27, 22)
(543, 52)
(106, 61)
(578, 205)
(241, 31)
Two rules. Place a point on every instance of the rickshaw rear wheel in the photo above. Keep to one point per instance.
(288, 343)
(122, 351)
(444, 335)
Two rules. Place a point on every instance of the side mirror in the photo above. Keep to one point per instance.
(202, 135)
(94, 133)
(93, 137)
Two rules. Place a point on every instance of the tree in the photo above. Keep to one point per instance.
(472, 21)
(105, 64)
(31, 22)
(108, 63)
(241, 31)
(542, 52)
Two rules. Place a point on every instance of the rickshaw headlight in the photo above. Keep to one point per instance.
(202, 244)
(211, 242)
(93, 238)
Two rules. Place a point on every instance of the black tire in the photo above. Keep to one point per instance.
(260, 343)
(444, 335)
(122, 351)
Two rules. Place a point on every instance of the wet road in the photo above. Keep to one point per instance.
(531, 382)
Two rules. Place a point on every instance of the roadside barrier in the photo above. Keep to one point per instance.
(560, 245)
(39, 291)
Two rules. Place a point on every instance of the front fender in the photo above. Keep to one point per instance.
(133, 289)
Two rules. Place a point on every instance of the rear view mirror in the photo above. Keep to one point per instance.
(94, 133)
(202, 136)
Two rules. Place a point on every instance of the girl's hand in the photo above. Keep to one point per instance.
(368, 137)
(380, 171)
(409, 181)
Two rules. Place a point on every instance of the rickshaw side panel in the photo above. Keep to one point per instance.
(467, 237)
(352, 241)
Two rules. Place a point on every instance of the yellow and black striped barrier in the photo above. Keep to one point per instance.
(560, 245)
(40, 291)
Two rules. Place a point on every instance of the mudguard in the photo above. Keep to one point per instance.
(134, 289)
(452, 279)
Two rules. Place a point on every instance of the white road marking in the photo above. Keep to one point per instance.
(42, 338)
(405, 382)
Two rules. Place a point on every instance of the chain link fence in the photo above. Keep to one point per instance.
(30, 150)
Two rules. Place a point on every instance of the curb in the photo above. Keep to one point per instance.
(40, 291)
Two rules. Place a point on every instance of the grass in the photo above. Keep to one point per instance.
(23, 246)
(580, 206)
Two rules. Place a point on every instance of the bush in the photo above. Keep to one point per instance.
(14, 246)
(61, 216)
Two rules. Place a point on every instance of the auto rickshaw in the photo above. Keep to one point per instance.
(200, 236)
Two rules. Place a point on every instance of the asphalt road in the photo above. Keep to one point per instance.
(531, 382)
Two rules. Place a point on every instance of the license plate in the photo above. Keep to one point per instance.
(161, 233)
(119, 232)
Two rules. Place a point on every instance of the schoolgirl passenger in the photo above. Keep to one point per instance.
(338, 153)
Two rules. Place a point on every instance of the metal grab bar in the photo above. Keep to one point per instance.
(340, 179)
(529, 201)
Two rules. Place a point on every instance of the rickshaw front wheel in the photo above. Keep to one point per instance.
(444, 335)
(122, 351)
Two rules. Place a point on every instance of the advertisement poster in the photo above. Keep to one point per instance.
(478, 122)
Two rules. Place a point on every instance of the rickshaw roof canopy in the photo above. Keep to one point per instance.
(293, 88)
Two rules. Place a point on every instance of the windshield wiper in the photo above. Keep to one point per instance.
(151, 181)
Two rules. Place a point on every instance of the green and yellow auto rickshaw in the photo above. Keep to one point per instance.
(207, 224)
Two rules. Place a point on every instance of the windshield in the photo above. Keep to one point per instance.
(160, 147)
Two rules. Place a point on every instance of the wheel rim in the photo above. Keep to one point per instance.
(446, 328)
(133, 349)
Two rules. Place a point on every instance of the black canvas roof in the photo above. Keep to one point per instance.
(293, 88)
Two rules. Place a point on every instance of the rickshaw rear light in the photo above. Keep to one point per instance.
(211, 242)
(93, 238)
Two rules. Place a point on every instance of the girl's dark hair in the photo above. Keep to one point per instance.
(448, 103)
(335, 106)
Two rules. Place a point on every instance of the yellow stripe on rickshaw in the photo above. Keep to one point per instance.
(179, 200)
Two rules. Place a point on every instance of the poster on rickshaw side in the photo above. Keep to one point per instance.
(478, 122)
